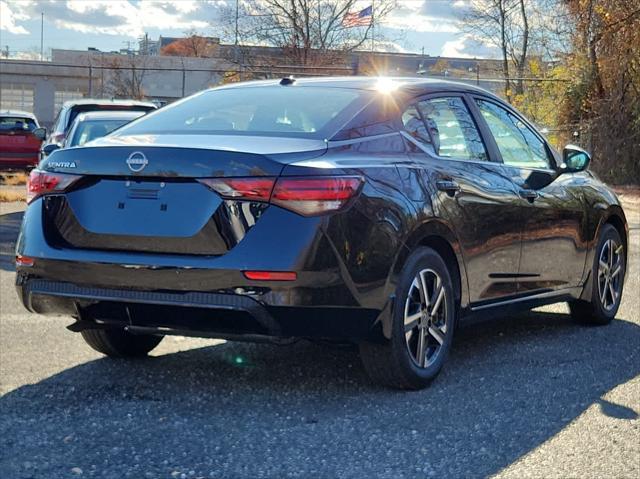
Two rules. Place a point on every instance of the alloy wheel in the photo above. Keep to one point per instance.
(610, 274)
(426, 322)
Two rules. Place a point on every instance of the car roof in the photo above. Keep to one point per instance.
(99, 101)
(412, 85)
(109, 115)
(17, 113)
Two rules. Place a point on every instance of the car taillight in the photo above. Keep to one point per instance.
(25, 261)
(256, 189)
(311, 196)
(307, 196)
(43, 182)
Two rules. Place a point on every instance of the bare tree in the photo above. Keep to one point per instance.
(505, 24)
(126, 74)
(309, 32)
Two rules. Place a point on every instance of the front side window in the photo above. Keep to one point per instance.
(518, 144)
(450, 129)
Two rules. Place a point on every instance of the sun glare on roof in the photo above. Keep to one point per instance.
(386, 85)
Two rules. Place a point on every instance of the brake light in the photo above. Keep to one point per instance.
(311, 196)
(307, 196)
(256, 189)
(44, 182)
(24, 261)
(271, 275)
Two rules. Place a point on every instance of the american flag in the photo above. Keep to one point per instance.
(362, 18)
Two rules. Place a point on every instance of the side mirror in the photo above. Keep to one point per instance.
(50, 148)
(574, 159)
(40, 133)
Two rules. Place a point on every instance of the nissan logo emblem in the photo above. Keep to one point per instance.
(137, 161)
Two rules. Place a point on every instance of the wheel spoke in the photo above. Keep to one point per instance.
(411, 321)
(421, 354)
(614, 295)
(604, 285)
(437, 334)
(617, 270)
(603, 267)
(424, 294)
(610, 253)
(438, 301)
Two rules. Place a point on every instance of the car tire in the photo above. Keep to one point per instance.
(119, 343)
(398, 362)
(607, 275)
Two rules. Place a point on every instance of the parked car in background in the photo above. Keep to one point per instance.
(382, 212)
(71, 109)
(19, 146)
(96, 124)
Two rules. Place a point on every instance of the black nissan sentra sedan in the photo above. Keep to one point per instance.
(384, 212)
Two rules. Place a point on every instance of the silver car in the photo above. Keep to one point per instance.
(96, 124)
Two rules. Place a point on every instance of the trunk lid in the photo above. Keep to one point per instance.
(143, 194)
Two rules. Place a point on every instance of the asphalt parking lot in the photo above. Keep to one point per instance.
(529, 396)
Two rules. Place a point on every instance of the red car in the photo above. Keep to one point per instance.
(19, 146)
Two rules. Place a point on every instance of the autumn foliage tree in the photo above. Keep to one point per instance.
(603, 99)
(192, 45)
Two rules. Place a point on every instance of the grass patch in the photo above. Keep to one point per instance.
(13, 179)
(8, 196)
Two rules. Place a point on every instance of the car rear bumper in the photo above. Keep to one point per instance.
(219, 315)
(336, 293)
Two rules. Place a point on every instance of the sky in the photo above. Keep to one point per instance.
(114, 24)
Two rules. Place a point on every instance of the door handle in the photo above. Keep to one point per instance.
(529, 195)
(448, 186)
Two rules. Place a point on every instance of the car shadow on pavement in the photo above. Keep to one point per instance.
(248, 410)
(9, 229)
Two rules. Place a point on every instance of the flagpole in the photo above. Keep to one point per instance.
(372, 27)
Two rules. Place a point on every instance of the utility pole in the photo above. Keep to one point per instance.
(237, 17)
(42, 36)
(101, 74)
(90, 79)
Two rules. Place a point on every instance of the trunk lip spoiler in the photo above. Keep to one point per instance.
(251, 144)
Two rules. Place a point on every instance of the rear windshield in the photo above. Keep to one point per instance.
(13, 124)
(76, 110)
(307, 112)
(90, 130)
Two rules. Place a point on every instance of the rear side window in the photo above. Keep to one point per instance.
(269, 111)
(13, 124)
(416, 127)
(518, 144)
(445, 127)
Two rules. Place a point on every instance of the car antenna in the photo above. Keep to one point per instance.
(290, 80)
